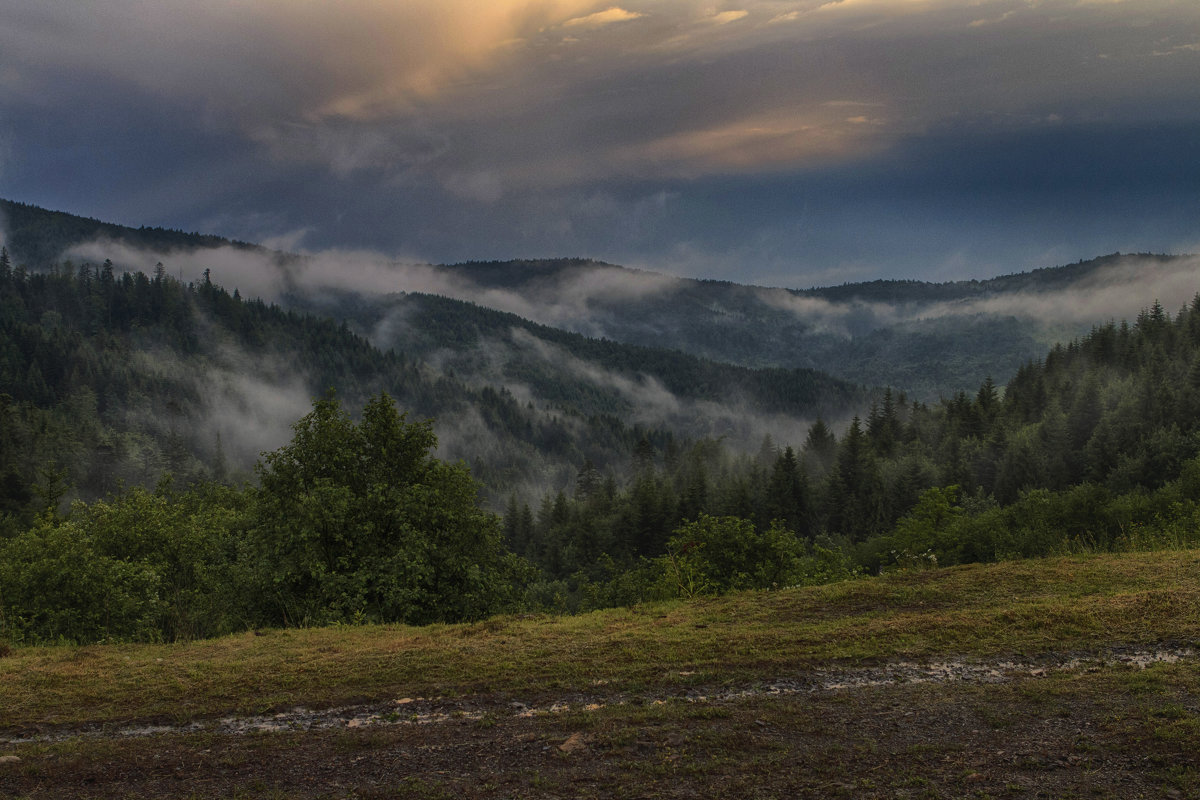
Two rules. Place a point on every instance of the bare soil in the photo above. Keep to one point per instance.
(1122, 723)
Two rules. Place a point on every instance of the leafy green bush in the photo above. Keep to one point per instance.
(719, 554)
(57, 585)
(138, 566)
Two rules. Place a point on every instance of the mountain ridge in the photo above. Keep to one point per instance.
(927, 339)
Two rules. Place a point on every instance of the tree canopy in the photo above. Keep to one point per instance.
(361, 521)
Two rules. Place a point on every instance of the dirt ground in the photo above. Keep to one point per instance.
(1107, 729)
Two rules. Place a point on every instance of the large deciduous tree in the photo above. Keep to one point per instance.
(359, 521)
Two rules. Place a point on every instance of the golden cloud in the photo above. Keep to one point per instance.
(725, 17)
(752, 144)
(601, 18)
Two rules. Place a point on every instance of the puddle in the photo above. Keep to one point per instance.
(434, 711)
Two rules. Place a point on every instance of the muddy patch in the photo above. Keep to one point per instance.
(434, 711)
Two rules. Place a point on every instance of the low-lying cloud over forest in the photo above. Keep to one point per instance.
(598, 299)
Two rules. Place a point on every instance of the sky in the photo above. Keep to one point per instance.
(762, 141)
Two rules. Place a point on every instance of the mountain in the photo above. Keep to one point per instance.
(551, 366)
(38, 236)
(114, 377)
(928, 340)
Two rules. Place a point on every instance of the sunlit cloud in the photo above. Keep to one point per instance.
(753, 144)
(387, 87)
(726, 17)
(881, 6)
(602, 18)
(979, 23)
(787, 16)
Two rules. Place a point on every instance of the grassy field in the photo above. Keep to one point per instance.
(1110, 730)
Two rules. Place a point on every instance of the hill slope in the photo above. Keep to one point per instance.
(1020, 679)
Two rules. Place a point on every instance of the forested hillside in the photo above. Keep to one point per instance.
(214, 493)
(1094, 446)
(930, 340)
(668, 388)
(878, 334)
(39, 237)
(112, 380)
(115, 378)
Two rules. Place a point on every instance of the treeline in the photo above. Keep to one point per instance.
(104, 376)
(1086, 448)
(38, 236)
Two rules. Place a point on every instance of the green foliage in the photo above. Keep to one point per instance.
(56, 584)
(1088, 449)
(931, 527)
(139, 566)
(352, 522)
(712, 555)
(358, 521)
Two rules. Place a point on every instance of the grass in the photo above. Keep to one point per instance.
(1083, 601)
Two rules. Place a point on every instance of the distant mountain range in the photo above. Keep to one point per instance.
(926, 339)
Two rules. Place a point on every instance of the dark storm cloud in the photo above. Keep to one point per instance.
(774, 141)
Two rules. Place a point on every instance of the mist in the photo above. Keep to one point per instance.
(598, 300)
(250, 402)
(646, 401)
(1115, 291)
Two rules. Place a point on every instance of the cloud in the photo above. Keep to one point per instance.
(979, 23)
(405, 89)
(756, 143)
(6, 150)
(568, 299)
(461, 129)
(247, 400)
(1113, 292)
(726, 17)
(602, 18)
(358, 59)
(251, 404)
(787, 16)
(484, 187)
